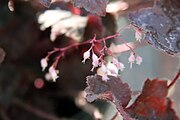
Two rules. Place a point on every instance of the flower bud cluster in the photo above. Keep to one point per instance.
(132, 59)
(52, 71)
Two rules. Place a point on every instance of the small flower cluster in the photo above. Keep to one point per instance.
(96, 54)
(52, 71)
(99, 62)
(95, 59)
(132, 59)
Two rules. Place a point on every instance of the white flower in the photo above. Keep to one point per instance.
(44, 63)
(53, 73)
(86, 55)
(131, 59)
(114, 61)
(104, 74)
(138, 35)
(95, 61)
(119, 65)
(104, 68)
(138, 60)
(112, 69)
(105, 78)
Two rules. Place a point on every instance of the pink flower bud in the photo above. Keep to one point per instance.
(138, 60)
(86, 55)
(53, 73)
(138, 35)
(131, 59)
(44, 63)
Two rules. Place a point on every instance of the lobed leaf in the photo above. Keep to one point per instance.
(152, 103)
(113, 89)
(161, 24)
(94, 6)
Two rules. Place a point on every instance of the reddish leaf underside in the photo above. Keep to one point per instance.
(153, 103)
(94, 6)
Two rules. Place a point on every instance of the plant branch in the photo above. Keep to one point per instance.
(64, 49)
(115, 116)
(121, 110)
(116, 49)
(175, 79)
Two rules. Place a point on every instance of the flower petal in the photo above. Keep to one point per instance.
(131, 59)
(53, 73)
(44, 63)
(138, 60)
(86, 55)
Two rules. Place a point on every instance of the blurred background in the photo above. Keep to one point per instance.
(26, 93)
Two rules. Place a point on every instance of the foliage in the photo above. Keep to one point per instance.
(151, 104)
(88, 36)
(160, 24)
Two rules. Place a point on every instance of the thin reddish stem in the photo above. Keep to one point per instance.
(107, 38)
(79, 44)
(122, 47)
(115, 116)
(128, 46)
(174, 80)
(57, 60)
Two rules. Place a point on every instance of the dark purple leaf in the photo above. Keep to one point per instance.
(113, 89)
(161, 24)
(94, 6)
(46, 3)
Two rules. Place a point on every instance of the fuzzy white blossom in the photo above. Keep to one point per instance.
(44, 63)
(105, 78)
(104, 69)
(104, 74)
(119, 65)
(86, 55)
(131, 59)
(138, 60)
(95, 61)
(53, 72)
(112, 69)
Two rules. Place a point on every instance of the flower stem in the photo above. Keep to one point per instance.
(175, 79)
